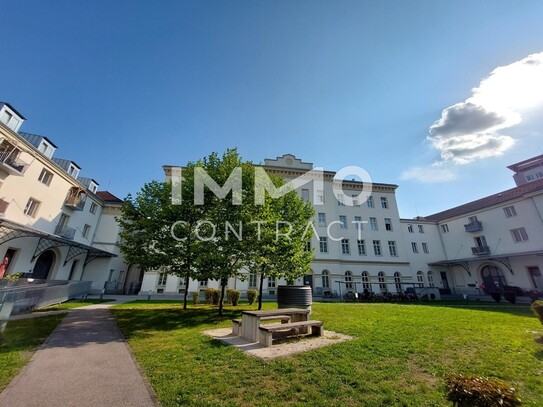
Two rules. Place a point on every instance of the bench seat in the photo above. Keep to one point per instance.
(284, 318)
(266, 331)
(236, 327)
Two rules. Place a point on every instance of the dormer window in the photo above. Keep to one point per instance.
(73, 171)
(93, 187)
(10, 120)
(46, 149)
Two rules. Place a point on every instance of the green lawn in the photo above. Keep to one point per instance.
(400, 355)
(19, 342)
(72, 304)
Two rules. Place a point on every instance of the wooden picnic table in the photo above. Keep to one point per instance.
(250, 320)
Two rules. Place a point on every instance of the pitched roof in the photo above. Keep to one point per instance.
(488, 201)
(109, 197)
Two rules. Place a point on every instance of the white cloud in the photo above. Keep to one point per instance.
(430, 174)
(470, 130)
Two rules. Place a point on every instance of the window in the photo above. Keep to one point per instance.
(162, 277)
(93, 208)
(388, 224)
(358, 222)
(382, 282)
(425, 248)
(480, 242)
(377, 248)
(203, 283)
(271, 282)
(31, 208)
(519, 235)
(355, 200)
(308, 246)
(305, 194)
(323, 244)
(384, 202)
(361, 247)
(342, 222)
(509, 211)
(340, 199)
(430, 279)
(392, 248)
(322, 219)
(410, 229)
(420, 279)
(421, 228)
(45, 177)
(414, 247)
(398, 281)
(373, 224)
(325, 279)
(348, 280)
(73, 171)
(86, 230)
(444, 228)
(345, 248)
(366, 281)
(320, 196)
(370, 202)
(252, 279)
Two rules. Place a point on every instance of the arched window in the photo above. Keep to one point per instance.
(366, 281)
(398, 281)
(493, 278)
(430, 279)
(348, 280)
(325, 279)
(420, 278)
(382, 283)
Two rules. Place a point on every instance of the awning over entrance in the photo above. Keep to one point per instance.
(11, 230)
(502, 259)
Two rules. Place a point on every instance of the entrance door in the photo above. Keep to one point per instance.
(43, 265)
(446, 290)
(537, 279)
(308, 280)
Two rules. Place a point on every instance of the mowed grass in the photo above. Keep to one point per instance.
(19, 342)
(399, 356)
(73, 304)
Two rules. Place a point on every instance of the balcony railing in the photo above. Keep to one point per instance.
(3, 207)
(480, 250)
(65, 232)
(10, 161)
(475, 226)
(76, 202)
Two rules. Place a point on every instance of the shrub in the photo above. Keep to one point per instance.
(233, 296)
(252, 295)
(510, 296)
(212, 296)
(471, 391)
(196, 297)
(537, 307)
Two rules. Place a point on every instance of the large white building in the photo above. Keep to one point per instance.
(54, 224)
(489, 244)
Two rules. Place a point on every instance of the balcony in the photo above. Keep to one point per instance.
(3, 207)
(474, 226)
(10, 161)
(65, 232)
(480, 250)
(75, 199)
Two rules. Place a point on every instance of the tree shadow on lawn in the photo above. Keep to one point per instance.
(137, 322)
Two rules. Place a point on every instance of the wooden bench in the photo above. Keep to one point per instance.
(265, 336)
(236, 327)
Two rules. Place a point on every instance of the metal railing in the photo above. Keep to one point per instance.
(475, 226)
(65, 232)
(480, 250)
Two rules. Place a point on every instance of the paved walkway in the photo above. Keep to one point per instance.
(85, 362)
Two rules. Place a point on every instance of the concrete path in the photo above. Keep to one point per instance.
(85, 362)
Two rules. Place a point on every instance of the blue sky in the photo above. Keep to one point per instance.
(123, 87)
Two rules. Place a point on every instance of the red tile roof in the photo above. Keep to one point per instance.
(108, 197)
(488, 201)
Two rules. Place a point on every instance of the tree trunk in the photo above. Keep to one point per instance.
(260, 289)
(224, 282)
(187, 278)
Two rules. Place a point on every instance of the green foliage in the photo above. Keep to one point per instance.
(252, 295)
(233, 296)
(471, 391)
(212, 296)
(196, 297)
(537, 307)
(14, 277)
